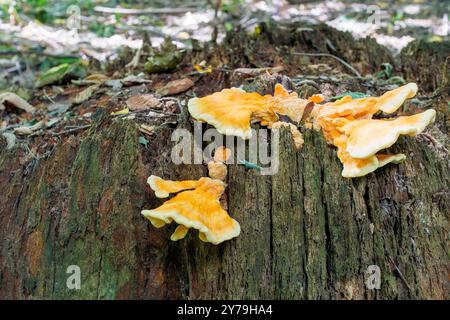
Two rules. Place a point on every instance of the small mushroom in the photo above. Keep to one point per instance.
(317, 98)
(198, 209)
(217, 170)
(222, 154)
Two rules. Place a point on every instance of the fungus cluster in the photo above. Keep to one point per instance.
(196, 206)
(346, 123)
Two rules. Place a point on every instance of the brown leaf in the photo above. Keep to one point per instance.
(85, 94)
(96, 78)
(147, 129)
(143, 102)
(176, 86)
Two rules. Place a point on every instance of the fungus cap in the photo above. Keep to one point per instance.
(163, 187)
(353, 168)
(367, 137)
(289, 104)
(229, 110)
(392, 100)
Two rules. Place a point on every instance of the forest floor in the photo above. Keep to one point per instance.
(65, 103)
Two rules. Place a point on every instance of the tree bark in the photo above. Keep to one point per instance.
(307, 233)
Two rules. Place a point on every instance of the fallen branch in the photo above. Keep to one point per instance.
(126, 11)
(71, 130)
(332, 56)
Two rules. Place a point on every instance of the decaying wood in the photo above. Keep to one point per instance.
(306, 231)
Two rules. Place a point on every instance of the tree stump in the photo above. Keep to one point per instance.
(307, 232)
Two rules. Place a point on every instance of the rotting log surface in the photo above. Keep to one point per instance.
(307, 233)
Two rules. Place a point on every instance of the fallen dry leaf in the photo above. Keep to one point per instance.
(26, 130)
(134, 79)
(147, 129)
(16, 101)
(120, 112)
(85, 94)
(258, 71)
(176, 86)
(143, 102)
(95, 78)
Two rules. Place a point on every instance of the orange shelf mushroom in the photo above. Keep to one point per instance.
(163, 188)
(367, 137)
(198, 208)
(348, 124)
(231, 111)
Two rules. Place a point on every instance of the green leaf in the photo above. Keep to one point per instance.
(250, 165)
(53, 75)
(354, 95)
(60, 72)
(143, 141)
(386, 71)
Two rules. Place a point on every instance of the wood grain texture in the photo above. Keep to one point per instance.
(307, 233)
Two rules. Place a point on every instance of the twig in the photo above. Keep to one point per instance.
(332, 79)
(48, 97)
(71, 130)
(400, 274)
(126, 11)
(31, 152)
(331, 56)
(308, 82)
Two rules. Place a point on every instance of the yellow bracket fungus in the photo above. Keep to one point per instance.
(163, 188)
(348, 124)
(231, 111)
(198, 208)
(366, 137)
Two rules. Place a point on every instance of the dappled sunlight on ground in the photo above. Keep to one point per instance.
(383, 22)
